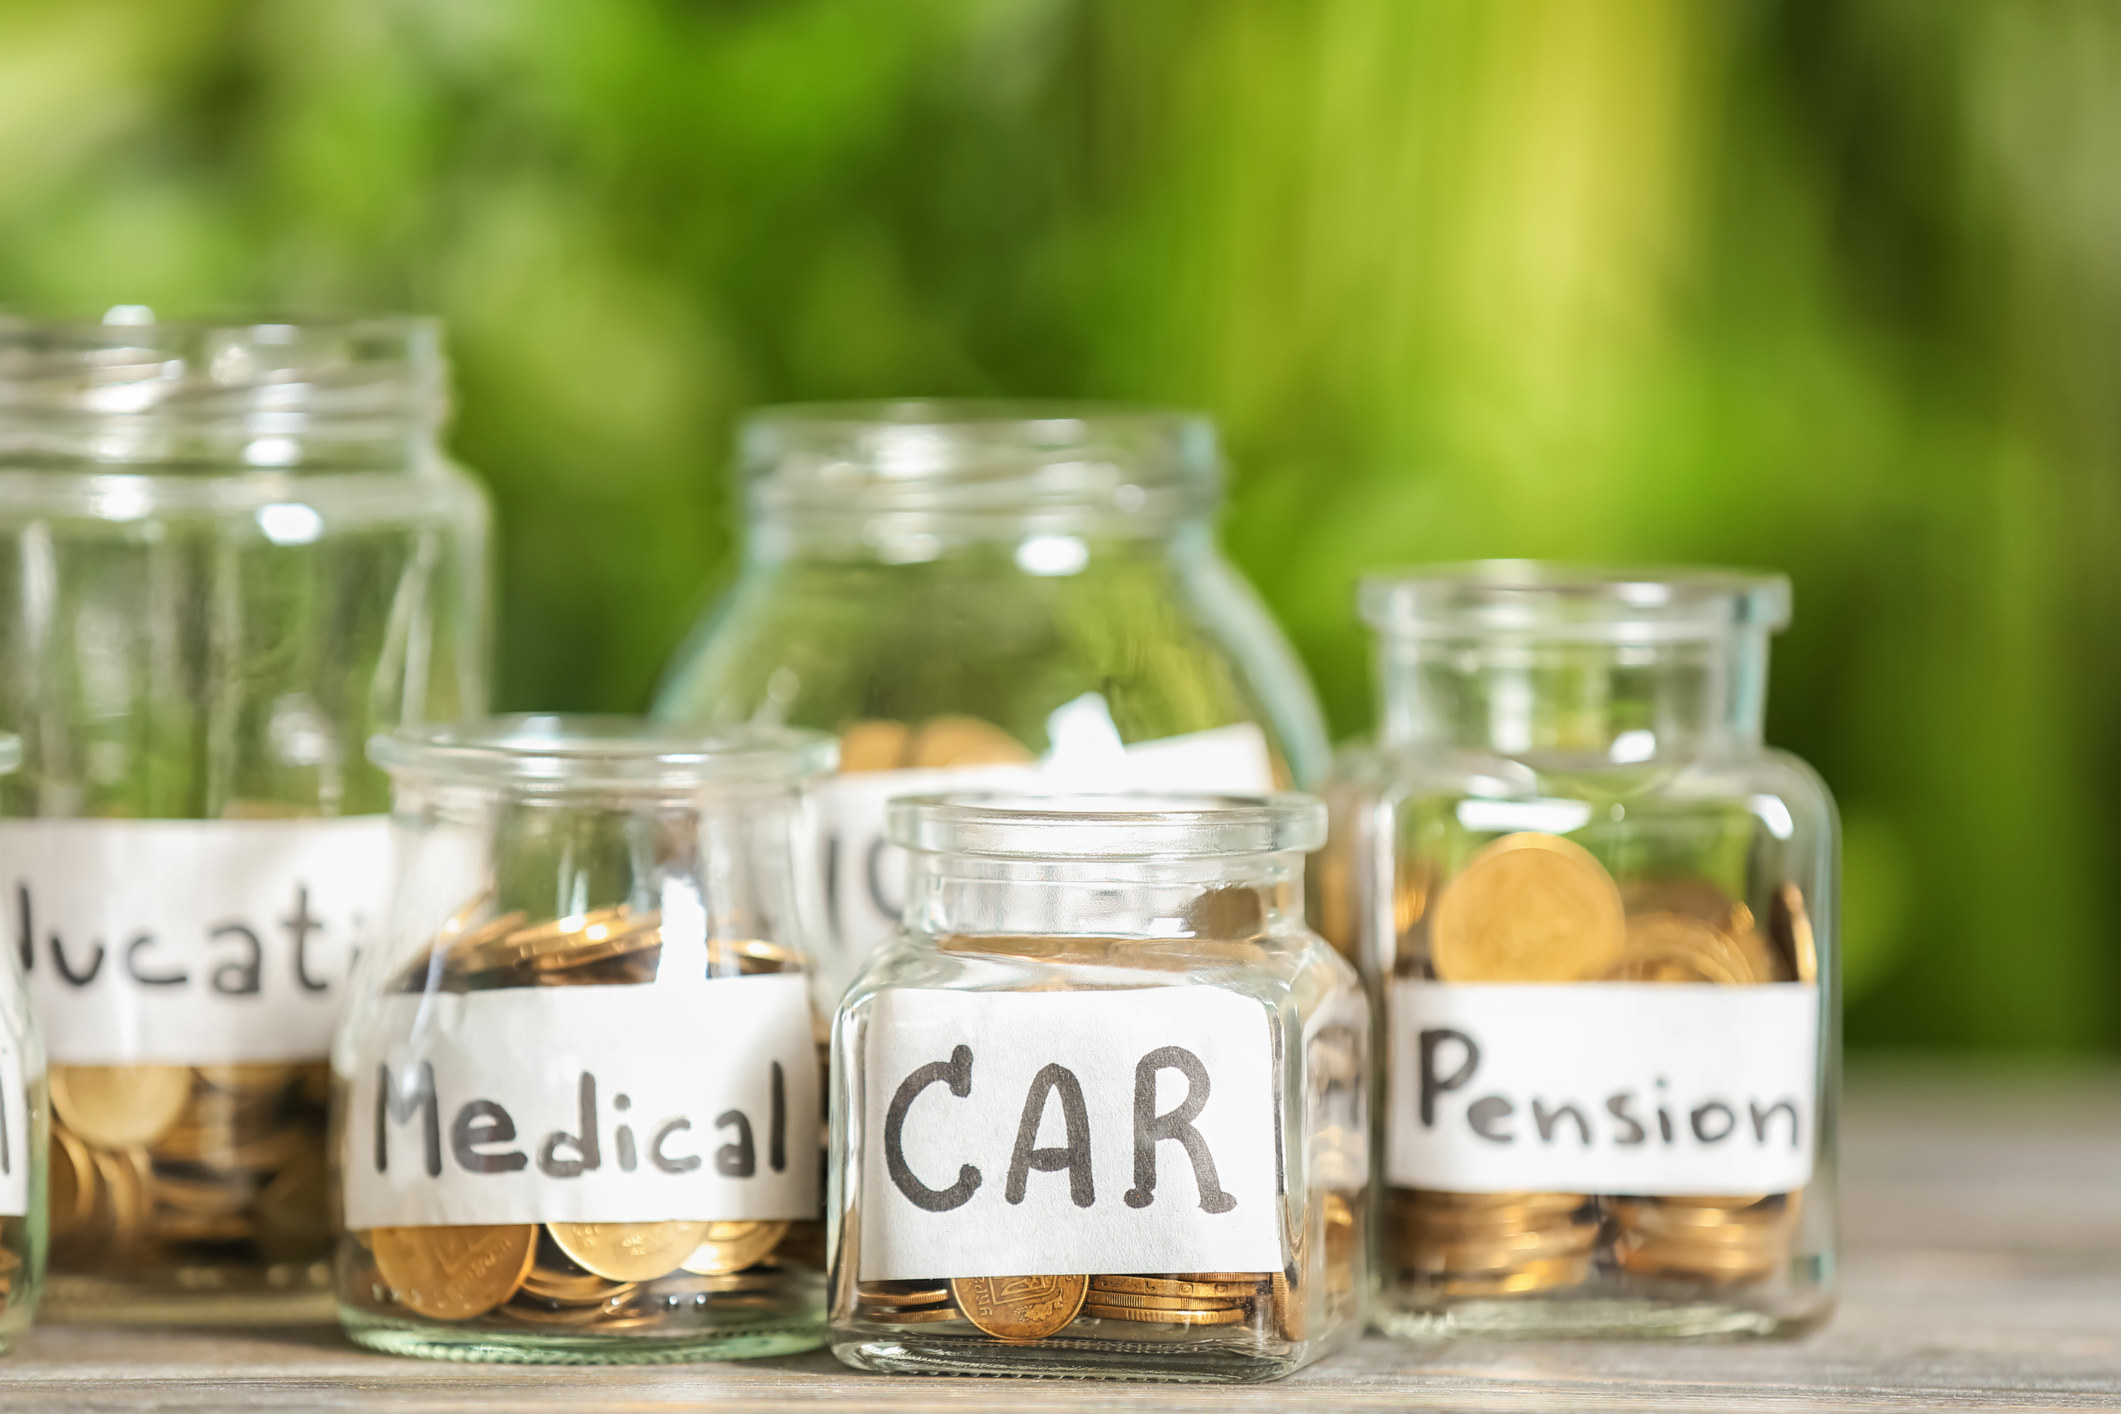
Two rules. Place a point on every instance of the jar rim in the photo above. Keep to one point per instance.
(584, 751)
(922, 460)
(1560, 600)
(1119, 827)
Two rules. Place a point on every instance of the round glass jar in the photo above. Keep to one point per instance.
(991, 596)
(24, 1136)
(227, 556)
(1099, 1108)
(1597, 917)
(578, 1115)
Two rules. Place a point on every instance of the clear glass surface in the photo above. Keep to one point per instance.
(563, 852)
(1620, 713)
(1117, 895)
(228, 554)
(938, 581)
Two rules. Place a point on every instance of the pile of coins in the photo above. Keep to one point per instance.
(168, 1168)
(1533, 907)
(1019, 1309)
(583, 1279)
(882, 745)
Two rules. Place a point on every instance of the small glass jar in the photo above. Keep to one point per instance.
(24, 1137)
(1597, 917)
(1099, 1108)
(227, 556)
(578, 1114)
(991, 596)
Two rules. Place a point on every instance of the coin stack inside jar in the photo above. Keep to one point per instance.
(587, 1279)
(14, 1258)
(1534, 907)
(1166, 1306)
(173, 1165)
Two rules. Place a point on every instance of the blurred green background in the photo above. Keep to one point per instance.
(1829, 285)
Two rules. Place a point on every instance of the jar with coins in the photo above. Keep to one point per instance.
(24, 1134)
(578, 1115)
(1099, 1108)
(990, 596)
(228, 555)
(1597, 916)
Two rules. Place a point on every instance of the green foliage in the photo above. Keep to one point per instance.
(1834, 287)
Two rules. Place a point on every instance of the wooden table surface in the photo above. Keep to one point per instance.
(1982, 1235)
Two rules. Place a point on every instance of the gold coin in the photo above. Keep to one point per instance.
(71, 1185)
(1533, 1276)
(1439, 1201)
(1528, 908)
(115, 1106)
(874, 746)
(249, 1079)
(902, 1316)
(1223, 1316)
(1791, 928)
(874, 1295)
(682, 1284)
(124, 1180)
(1169, 1286)
(1020, 1308)
(455, 1273)
(733, 1246)
(1671, 947)
(208, 1195)
(574, 1288)
(628, 1251)
(175, 1225)
(963, 741)
(1136, 1300)
(1495, 1254)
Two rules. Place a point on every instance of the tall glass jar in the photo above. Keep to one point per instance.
(227, 556)
(24, 1136)
(991, 596)
(1597, 917)
(1099, 1108)
(578, 1112)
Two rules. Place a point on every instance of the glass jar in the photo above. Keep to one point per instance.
(24, 1137)
(1099, 1108)
(578, 1112)
(1597, 917)
(227, 556)
(991, 596)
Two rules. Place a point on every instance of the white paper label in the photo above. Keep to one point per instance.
(1615, 1087)
(654, 1103)
(865, 875)
(1043, 1134)
(14, 1129)
(192, 942)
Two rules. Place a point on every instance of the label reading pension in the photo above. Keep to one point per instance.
(1046, 1134)
(192, 942)
(14, 1130)
(865, 874)
(651, 1103)
(1615, 1087)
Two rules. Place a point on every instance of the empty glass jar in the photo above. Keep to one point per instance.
(227, 556)
(991, 596)
(578, 1110)
(1598, 918)
(1099, 1106)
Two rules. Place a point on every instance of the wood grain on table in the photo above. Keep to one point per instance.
(1981, 1231)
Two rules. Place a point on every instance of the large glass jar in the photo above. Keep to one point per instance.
(991, 596)
(1597, 917)
(24, 1136)
(1099, 1108)
(227, 556)
(578, 1112)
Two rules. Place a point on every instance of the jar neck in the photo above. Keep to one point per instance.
(1574, 702)
(1049, 543)
(1223, 899)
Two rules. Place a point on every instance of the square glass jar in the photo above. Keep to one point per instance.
(1099, 1108)
(577, 1108)
(1597, 919)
